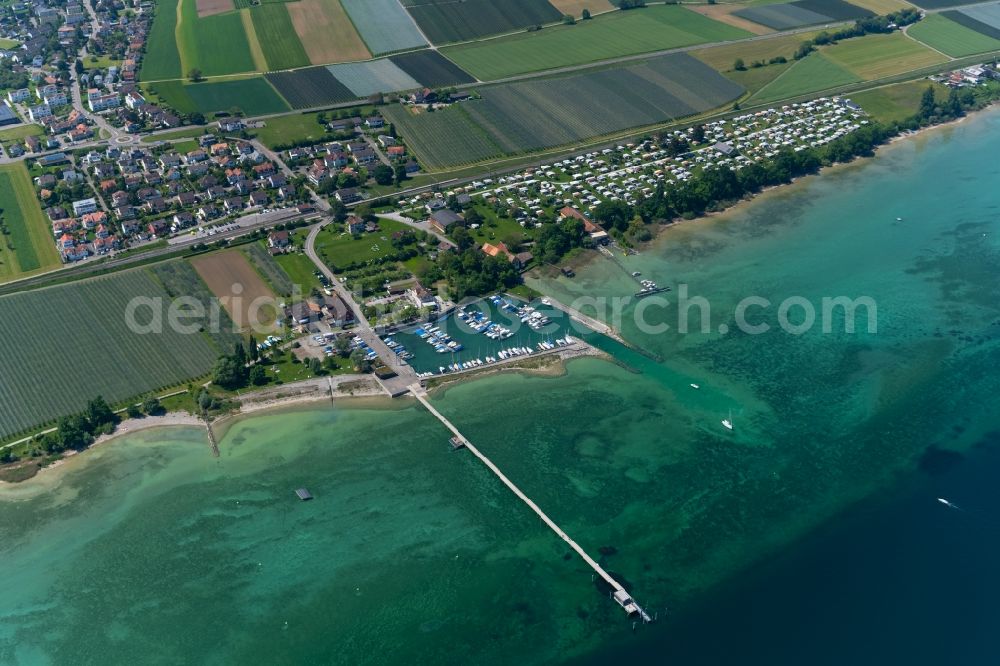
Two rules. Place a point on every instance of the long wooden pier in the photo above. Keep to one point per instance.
(459, 440)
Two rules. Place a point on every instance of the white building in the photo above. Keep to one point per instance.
(38, 112)
(84, 206)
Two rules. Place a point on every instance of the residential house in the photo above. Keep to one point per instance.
(348, 195)
(336, 311)
(354, 224)
(279, 240)
(421, 297)
(83, 206)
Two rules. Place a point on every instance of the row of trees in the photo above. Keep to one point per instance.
(78, 430)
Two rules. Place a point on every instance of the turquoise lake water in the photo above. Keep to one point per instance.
(808, 534)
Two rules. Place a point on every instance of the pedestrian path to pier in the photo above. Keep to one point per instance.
(620, 594)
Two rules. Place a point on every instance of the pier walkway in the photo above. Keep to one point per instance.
(620, 594)
(588, 321)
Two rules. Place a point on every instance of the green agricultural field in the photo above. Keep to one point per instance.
(26, 244)
(162, 59)
(897, 102)
(878, 56)
(612, 35)
(82, 345)
(956, 40)
(278, 40)
(813, 73)
(253, 95)
(341, 250)
(217, 45)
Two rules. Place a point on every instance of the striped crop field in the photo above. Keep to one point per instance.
(278, 40)
(448, 137)
(312, 86)
(538, 114)
(384, 25)
(446, 21)
(373, 76)
(70, 343)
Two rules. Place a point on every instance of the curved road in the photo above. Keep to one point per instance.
(405, 375)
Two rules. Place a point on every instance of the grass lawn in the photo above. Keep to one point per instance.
(496, 229)
(217, 45)
(418, 265)
(612, 35)
(418, 180)
(723, 57)
(100, 62)
(878, 56)
(185, 146)
(341, 249)
(811, 74)
(8, 43)
(956, 40)
(290, 128)
(299, 268)
(21, 132)
(187, 133)
(896, 102)
(27, 246)
(162, 59)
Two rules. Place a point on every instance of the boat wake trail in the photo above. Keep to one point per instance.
(949, 504)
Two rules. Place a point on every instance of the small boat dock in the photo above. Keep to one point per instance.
(304, 494)
(648, 286)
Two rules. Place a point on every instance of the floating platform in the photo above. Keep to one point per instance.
(456, 444)
(304, 494)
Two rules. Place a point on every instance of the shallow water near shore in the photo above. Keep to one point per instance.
(152, 551)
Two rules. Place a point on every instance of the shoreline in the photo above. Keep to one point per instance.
(306, 392)
(659, 231)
